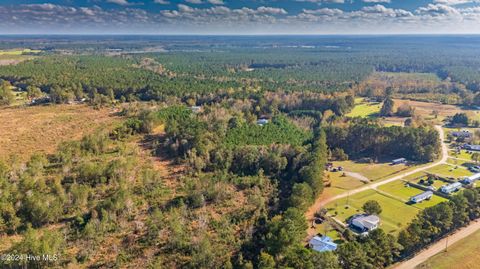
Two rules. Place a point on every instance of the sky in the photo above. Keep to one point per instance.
(240, 17)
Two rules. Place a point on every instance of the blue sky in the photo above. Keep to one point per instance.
(239, 16)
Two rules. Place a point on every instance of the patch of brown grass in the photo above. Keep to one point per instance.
(40, 129)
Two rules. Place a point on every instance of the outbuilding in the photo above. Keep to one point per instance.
(421, 197)
(399, 161)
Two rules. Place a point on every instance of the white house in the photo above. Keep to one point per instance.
(262, 122)
(365, 223)
(421, 197)
(447, 189)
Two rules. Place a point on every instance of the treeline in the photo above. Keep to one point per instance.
(365, 138)
(435, 222)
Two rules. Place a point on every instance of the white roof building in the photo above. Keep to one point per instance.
(366, 223)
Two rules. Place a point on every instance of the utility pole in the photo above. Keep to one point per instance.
(446, 245)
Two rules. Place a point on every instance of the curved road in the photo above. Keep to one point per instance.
(319, 203)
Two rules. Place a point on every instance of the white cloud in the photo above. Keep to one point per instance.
(194, 1)
(120, 2)
(455, 2)
(324, 11)
(161, 2)
(216, 2)
(323, 1)
(437, 10)
(376, 1)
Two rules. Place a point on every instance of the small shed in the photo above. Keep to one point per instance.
(399, 161)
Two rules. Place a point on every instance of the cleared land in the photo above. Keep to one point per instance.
(365, 109)
(395, 215)
(461, 255)
(373, 171)
(27, 130)
(399, 189)
(450, 171)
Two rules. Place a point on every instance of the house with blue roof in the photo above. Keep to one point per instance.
(322, 244)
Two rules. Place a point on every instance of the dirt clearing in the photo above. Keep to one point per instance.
(27, 130)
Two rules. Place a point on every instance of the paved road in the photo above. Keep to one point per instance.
(438, 247)
(319, 203)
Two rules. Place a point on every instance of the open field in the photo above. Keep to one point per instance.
(19, 52)
(395, 214)
(461, 255)
(364, 109)
(11, 57)
(450, 171)
(399, 190)
(373, 171)
(27, 130)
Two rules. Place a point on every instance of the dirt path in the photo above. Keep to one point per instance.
(438, 247)
(320, 202)
(358, 176)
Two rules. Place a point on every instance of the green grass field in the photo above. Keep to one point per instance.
(18, 52)
(461, 255)
(395, 214)
(364, 109)
(373, 171)
(399, 190)
(450, 171)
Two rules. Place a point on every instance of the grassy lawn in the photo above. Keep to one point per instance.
(395, 214)
(365, 109)
(326, 228)
(373, 171)
(400, 190)
(461, 255)
(341, 181)
(462, 155)
(449, 171)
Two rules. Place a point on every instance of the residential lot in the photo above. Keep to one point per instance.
(395, 215)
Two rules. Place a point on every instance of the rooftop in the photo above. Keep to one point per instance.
(322, 244)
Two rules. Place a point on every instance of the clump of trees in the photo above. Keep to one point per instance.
(6, 94)
(362, 137)
(436, 221)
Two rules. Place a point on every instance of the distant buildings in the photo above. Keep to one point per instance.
(322, 244)
(365, 223)
(471, 147)
(399, 161)
(262, 122)
(421, 197)
(471, 179)
(195, 109)
(453, 187)
(461, 134)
